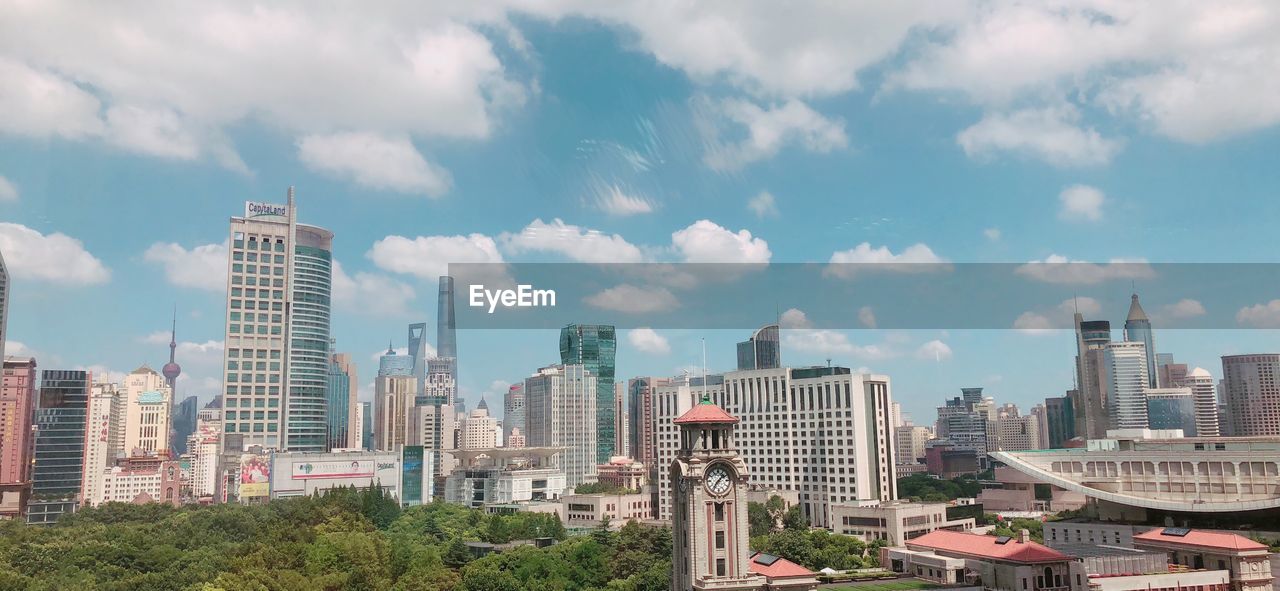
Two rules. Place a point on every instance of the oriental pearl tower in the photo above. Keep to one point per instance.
(172, 370)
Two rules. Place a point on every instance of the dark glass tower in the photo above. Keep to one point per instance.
(762, 350)
(446, 336)
(58, 474)
(1137, 329)
(595, 346)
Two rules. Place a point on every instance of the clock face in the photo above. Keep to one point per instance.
(719, 480)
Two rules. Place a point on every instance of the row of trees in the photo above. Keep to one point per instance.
(346, 539)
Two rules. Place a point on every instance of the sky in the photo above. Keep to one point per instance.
(425, 134)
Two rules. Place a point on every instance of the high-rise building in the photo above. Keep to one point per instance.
(1061, 418)
(1171, 373)
(418, 352)
(621, 428)
(594, 346)
(640, 400)
(910, 442)
(1171, 408)
(342, 392)
(441, 382)
(4, 304)
(279, 284)
(1011, 432)
(104, 435)
(1125, 368)
(560, 411)
(479, 430)
(147, 413)
(803, 429)
(205, 444)
(1137, 329)
(17, 403)
(1251, 393)
(963, 421)
(512, 412)
(365, 412)
(172, 370)
(184, 424)
(1204, 395)
(394, 396)
(1090, 404)
(446, 330)
(61, 416)
(762, 350)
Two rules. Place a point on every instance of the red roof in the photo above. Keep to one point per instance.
(779, 568)
(706, 412)
(1202, 539)
(980, 546)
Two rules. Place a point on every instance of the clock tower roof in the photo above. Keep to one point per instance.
(706, 411)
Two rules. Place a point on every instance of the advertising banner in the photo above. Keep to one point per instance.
(255, 476)
(334, 469)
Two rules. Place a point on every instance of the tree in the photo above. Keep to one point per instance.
(795, 519)
(456, 554)
(758, 520)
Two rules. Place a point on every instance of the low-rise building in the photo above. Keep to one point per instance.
(1076, 532)
(1247, 560)
(781, 574)
(140, 482)
(996, 563)
(894, 521)
(1015, 491)
(592, 509)
(622, 472)
(298, 474)
(503, 476)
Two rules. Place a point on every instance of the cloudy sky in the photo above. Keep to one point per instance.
(600, 132)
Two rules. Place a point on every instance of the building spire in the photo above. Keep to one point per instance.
(172, 370)
(1135, 310)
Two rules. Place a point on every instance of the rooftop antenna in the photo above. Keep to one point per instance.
(704, 370)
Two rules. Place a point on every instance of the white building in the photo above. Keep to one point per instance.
(276, 353)
(204, 445)
(910, 442)
(103, 440)
(1204, 394)
(500, 476)
(593, 509)
(560, 411)
(1125, 367)
(1013, 432)
(147, 416)
(479, 430)
(158, 482)
(895, 522)
(822, 431)
(304, 474)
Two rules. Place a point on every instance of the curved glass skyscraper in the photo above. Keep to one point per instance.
(309, 339)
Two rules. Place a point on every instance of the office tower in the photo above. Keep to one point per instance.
(560, 408)
(762, 350)
(446, 335)
(342, 390)
(910, 442)
(172, 370)
(184, 424)
(1090, 403)
(801, 429)
(621, 429)
(963, 421)
(17, 403)
(418, 352)
(895, 415)
(1251, 393)
(512, 412)
(4, 305)
(441, 382)
(1011, 432)
(147, 418)
(1205, 397)
(594, 346)
(1061, 418)
(276, 356)
(1041, 413)
(1125, 367)
(365, 411)
(1137, 329)
(1171, 374)
(1172, 408)
(104, 435)
(205, 444)
(479, 430)
(394, 402)
(58, 472)
(640, 399)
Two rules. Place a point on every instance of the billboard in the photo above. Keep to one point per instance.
(334, 469)
(255, 476)
(411, 476)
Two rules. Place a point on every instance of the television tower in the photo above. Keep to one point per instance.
(172, 370)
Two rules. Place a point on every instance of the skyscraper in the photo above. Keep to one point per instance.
(395, 389)
(1090, 404)
(147, 414)
(560, 405)
(1172, 408)
(343, 430)
(1137, 329)
(418, 352)
(512, 411)
(478, 429)
(1061, 418)
(640, 394)
(185, 415)
(61, 416)
(1127, 381)
(4, 304)
(1251, 392)
(172, 370)
(594, 347)
(762, 350)
(365, 412)
(17, 400)
(446, 336)
(104, 436)
(1204, 394)
(279, 282)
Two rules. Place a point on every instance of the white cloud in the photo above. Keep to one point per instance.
(202, 267)
(1260, 315)
(376, 161)
(614, 202)
(992, 234)
(18, 348)
(1033, 323)
(40, 104)
(769, 129)
(153, 132)
(1182, 309)
(1051, 134)
(1059, 269)
(8, 192)
(705, 241)
(575, 242)
(56, 257)
(794, 319)
(1060, 317)
(648, 340)
(867, 317)
(631, 299)
(1081, 203)
(935, 350)
(370, 293)
(917, 258)
(428, 257)
(830, 342)
(763, 205)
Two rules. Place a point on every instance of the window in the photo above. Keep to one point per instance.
(720, 570)
(720, 540)
(719, 512)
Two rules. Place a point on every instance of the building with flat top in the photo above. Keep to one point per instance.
(17, 401)
(594, 347)
(895, 522)
(58, 471)
(560, 402)
(1251, 393)
(999, 563)
(1245, 559)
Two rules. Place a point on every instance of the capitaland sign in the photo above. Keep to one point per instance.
(253, 209)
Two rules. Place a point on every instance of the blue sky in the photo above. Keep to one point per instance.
(718, 132)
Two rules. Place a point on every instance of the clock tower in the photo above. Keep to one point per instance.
(709, 505)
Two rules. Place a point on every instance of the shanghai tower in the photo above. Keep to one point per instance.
(446, 339)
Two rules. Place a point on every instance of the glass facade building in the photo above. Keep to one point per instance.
(58, 474)
(338, 399)
(762, 350)
(1172, 408)
(595, 346)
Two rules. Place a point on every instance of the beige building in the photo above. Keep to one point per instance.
(560, 411)
(591, 510)
(103, 441)
(895, 521)
(1016, 491)
(479, 430)
(994, 563)
(152, 482)
(393, 407)
(911, 440)
(623, 472)
(204, 445)
(1246, 559)
(1011, 432)
(147, 418)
